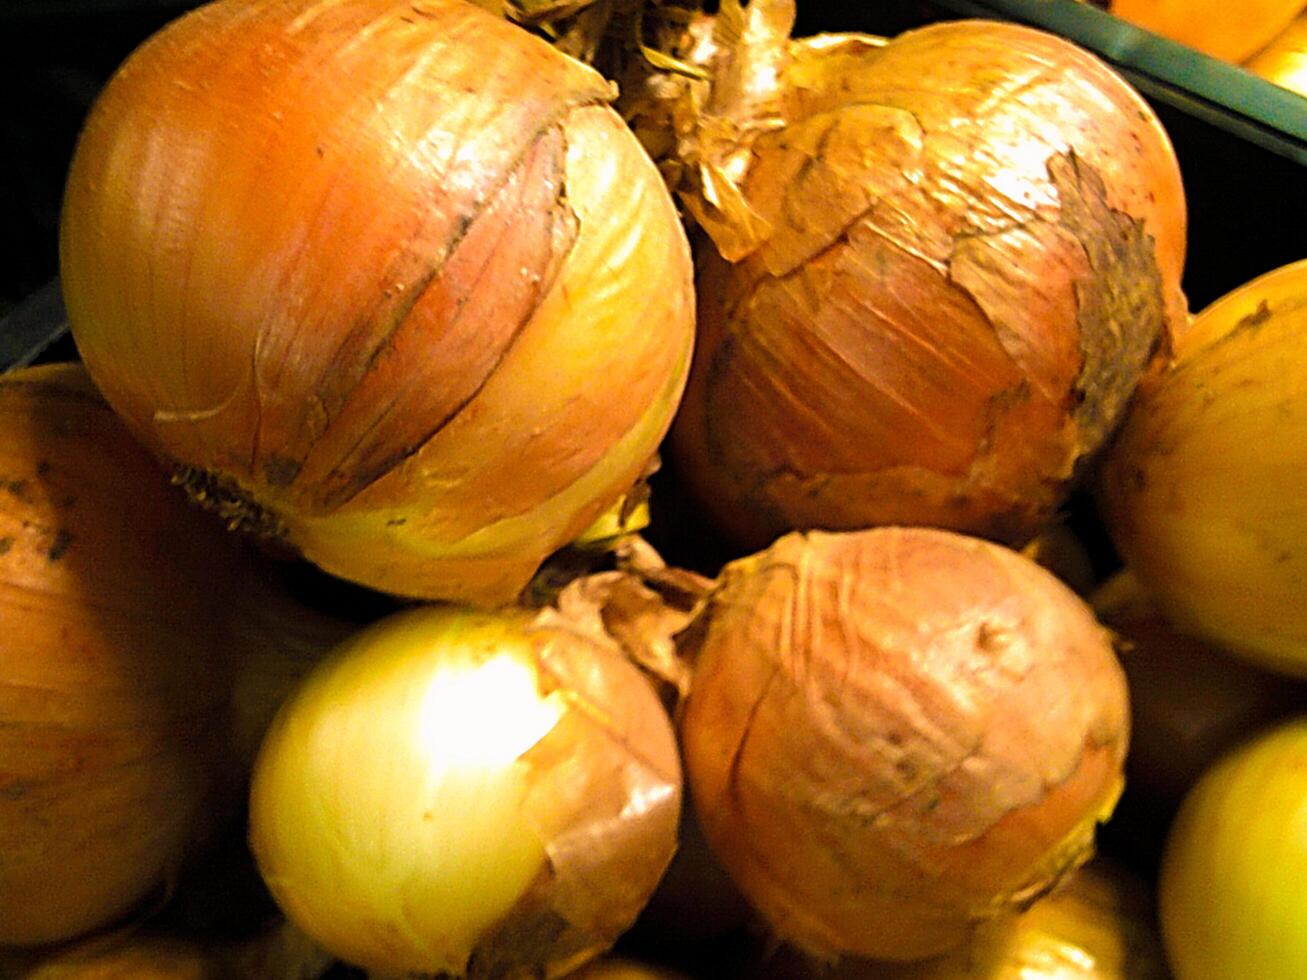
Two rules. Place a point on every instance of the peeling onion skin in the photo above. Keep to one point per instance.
(897, 735)
(961, 281)
(130, 706)
(386, 836)
(387, 281)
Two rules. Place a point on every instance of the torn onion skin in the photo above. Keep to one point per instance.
(897, 735)
(389, 282)
(471, 793)
(923, 303)
(141, 658)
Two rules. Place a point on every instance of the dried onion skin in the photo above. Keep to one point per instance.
(897, 735)
(387, 281)
(931, 300)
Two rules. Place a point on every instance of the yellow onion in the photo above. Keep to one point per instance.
(1284, 60)
(1202, 491)
(1231, 888)
(1097, 925)
(1189, 701)
(624, 968)
(939, 265)
(894, 736)
(470, 793)
(1229, 31)
(387, 281)
(123, 737)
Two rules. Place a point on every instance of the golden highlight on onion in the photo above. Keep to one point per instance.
(926, 302)
(386, 281)
(1284, 60)
(1229, 31)
(471, 793)
(896, 736)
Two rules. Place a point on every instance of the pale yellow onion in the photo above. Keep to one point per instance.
(1202, 491)
(490, 794)
(897, 735)
(142, 653)
(939, 265)
(1284, 60)
(1231, 886)
(386, 281)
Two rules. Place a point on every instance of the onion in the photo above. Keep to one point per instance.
(1189, 701)
(471, 793)
(142, 655)
(1284, 60)
(1202, 491)
(1229, 31)
(941, 264)
(1231, 887)
(1098, 925)
(896, 735)
(386, 281)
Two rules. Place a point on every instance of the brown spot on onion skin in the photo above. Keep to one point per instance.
(895, 735)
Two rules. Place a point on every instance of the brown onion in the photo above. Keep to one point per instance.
(130, 702)
(939, 266)
(896, 735)
(385, 280)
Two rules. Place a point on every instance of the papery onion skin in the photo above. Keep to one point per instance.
(1231, 885)
(1202, 490)
(386, 280)
(410, 827)
(960, 281)
(1229, 31)
(897, 735)
(121, 737)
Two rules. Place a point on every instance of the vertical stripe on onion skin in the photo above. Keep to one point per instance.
(894, 736)
(389, 281)
(926, 303)
(130, 703)
(1231, 885)
(486, 794)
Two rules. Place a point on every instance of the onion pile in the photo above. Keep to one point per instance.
(386, 281)
(1284, 60)
(897, 735)
(939, 266)
(142, 656)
